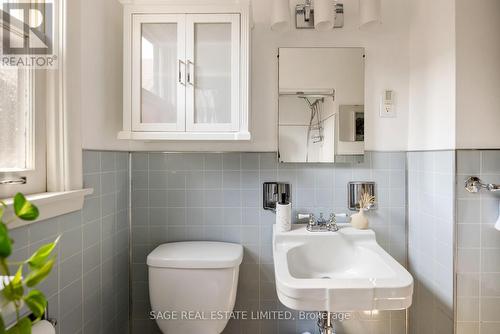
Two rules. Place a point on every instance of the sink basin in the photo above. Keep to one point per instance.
(345, 271)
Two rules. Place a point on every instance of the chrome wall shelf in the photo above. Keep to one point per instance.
(309, 93)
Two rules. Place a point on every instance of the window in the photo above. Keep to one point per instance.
(22, 116)
(23, 97)
(40, 138)
(15, 119)
(22, 132)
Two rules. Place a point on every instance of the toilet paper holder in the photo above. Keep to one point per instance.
(356, 190)
(272, 193)
(32, 317)
(53, 321)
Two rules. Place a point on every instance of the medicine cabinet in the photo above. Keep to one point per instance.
(186, 70)
(321, 105)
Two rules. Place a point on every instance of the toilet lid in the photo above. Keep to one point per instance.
(196, 255)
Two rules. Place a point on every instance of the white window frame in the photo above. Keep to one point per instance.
(35, 173)
(63, 191)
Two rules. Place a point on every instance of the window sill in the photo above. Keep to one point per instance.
(185, 136)
(51, 205)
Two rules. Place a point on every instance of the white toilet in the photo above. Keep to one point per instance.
(188, 281)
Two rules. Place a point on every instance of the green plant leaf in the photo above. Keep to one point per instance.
(39, 258)
(38, 275)
(36, 302)
(5, 242)
(3, 270)
(15, 290)
(22, 327)
(2, 211)
(24, 209)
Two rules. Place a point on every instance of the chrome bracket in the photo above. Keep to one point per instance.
(474, 184)
(304, 15)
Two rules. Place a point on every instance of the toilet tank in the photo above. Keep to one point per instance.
(190, 281)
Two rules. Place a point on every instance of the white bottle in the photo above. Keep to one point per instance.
(283, 215)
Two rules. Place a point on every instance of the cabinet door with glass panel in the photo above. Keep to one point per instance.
(212, 50)
(188, 77)
(158, 72)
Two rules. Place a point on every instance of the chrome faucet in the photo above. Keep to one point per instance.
(321, 224)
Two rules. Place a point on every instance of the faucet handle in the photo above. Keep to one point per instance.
(332, 223)
(312, 220)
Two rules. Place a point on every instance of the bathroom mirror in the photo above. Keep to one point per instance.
(321, 105)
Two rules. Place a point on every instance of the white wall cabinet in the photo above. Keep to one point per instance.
(186, 70)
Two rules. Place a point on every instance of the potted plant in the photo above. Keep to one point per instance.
(19, 287)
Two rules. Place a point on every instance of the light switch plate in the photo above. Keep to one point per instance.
(388, 105)
(387, 111)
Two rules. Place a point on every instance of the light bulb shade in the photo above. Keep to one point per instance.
(370, 12)
(280, 15)
(324, 15)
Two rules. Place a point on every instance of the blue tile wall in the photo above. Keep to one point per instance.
(196, 196)
(478, 246)
(89, 287)
(431, 211)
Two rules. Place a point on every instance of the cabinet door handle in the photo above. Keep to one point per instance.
(180, 72)
(190, 74)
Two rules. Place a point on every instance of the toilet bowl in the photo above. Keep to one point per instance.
(192, 286)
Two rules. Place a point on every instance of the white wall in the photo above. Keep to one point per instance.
(101, 68)
(432, 75)
(387, 67)
(478, 74)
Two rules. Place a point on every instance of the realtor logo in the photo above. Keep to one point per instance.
(28, 34)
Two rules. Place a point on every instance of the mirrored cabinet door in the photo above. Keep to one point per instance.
(213, 73)
(158, 75)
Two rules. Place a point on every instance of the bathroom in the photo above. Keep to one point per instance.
(143, 196)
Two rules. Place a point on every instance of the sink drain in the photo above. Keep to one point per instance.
(326, 277)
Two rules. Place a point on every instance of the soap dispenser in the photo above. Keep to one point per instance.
(283, 214)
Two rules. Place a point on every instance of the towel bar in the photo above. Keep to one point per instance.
(474, 184)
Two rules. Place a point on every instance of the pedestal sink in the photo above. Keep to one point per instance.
(344, 271)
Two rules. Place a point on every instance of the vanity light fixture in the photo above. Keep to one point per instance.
(321, 14)
(369, 13)
(280, 15)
